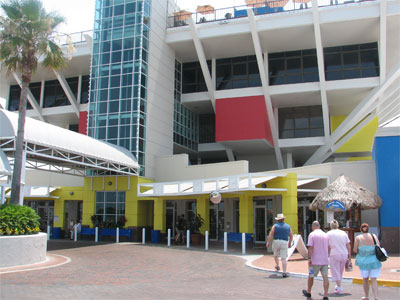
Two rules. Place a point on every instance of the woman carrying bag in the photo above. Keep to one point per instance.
(370, 266)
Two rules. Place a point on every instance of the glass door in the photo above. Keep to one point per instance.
(45, 211)
(263, 219)
(306, 217)
(171, 217)
(217, 220)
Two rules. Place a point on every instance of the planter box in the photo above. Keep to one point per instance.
(22, 249)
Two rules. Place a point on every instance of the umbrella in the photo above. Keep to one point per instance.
(182, 15)
(205, 9)
(277, 3)
(343, 194)
(255, 3)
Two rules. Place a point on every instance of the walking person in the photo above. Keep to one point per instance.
(180, 227)
(370, 266)
(318, 258)
(282, 235)
(340, 252)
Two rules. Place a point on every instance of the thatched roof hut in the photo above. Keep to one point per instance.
(255, 3)
(205, 9)
(182, 15)
(346, 191)
(277, 3)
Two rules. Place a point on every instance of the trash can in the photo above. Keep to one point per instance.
(155, 236)
(56, 233)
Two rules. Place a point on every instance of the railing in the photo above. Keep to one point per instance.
(261, 8)
(75, 37)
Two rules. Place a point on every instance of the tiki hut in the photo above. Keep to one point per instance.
(345, 193)
(301, 1)
(205, 9)
(277, 3)
(255, 3)
(182, 15)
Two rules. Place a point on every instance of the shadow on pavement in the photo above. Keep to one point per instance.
(53, 245)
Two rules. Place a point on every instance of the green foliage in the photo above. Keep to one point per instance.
(26, 31)
(194, 223)
(18, 219)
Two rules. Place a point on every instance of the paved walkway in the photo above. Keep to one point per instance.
(133, 271)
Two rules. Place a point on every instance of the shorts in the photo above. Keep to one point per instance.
(374, 273)
(280, 247)
(318, 268)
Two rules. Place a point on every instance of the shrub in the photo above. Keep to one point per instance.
(17, 220)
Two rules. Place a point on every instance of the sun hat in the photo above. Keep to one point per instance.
(279, 217)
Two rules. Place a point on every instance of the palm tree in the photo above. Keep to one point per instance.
(25, 36)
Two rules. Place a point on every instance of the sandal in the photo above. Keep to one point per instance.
(277, 268)
(284, 275)
(325, 298)
(364, 298)
(306, 294)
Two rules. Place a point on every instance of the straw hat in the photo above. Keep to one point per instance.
(279, 217)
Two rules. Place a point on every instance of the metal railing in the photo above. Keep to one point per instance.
(261, 8)
(75, 37)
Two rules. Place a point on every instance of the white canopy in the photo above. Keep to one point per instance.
(53, 148)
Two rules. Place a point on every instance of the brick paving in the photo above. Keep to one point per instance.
(133, 271)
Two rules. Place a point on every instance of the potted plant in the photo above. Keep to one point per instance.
(194, 224)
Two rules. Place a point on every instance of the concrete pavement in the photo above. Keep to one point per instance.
(132, 271)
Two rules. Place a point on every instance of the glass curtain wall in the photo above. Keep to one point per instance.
(186, 122)
(118, 87)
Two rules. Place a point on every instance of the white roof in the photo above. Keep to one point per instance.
(36, 192)
(73, 149)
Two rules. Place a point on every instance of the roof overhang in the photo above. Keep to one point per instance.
(36, 192)
(228, 184)
(5, 168)
(56, 149)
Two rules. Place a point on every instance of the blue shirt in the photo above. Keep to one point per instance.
(282, 231)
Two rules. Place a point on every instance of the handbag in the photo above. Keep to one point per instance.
(348, 266)
(380, 252)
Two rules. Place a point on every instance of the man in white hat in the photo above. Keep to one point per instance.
(282, 235)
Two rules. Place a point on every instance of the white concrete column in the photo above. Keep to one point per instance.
(225, 242)
(206, 240)
(144, 236)
(188, 238)
(243, 243)
(169, 237)
(96, 236)
(117, 235)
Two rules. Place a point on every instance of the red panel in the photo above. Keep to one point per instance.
(243, 118)
(83, 118)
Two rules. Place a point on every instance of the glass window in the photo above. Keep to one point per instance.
(298, 122)
(110, 206)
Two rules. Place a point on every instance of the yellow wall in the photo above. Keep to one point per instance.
(362, 141)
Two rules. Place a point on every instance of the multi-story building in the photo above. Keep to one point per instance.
(284, 88)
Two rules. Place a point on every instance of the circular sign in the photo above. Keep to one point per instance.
(215, 197)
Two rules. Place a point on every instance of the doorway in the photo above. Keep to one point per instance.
(171, 217)
(73, 213)
(263, 218)
(45, 211)
(306, 217)
(217, 221)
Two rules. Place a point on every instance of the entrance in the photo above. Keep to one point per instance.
(45, 211)
(171, 217)
(306, 217)
(217, 221)
(73, 213)
(263, 219)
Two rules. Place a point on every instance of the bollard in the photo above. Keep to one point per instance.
(48, 232)
(76, 234)
(225, 242)
(206, 240)
(188, 238)
(144, 236)
(243, 243)
(169, 237)
(96, 237)
(117, 236)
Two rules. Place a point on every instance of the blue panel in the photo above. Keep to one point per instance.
(387, 156)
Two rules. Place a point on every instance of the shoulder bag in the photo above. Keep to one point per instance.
(380, 252)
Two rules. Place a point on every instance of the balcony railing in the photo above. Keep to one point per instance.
(261, 8)
(75, 37)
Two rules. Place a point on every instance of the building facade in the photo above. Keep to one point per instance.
(270, 89)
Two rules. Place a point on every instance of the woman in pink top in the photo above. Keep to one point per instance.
(340, 252)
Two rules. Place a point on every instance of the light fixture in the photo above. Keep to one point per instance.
(109, 183)
(71, 193)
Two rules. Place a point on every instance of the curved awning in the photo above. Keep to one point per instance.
(52, 148)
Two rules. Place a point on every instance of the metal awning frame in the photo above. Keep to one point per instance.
(47, 158)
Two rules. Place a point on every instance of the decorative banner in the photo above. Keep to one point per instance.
(336, 204)
(215, 197)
